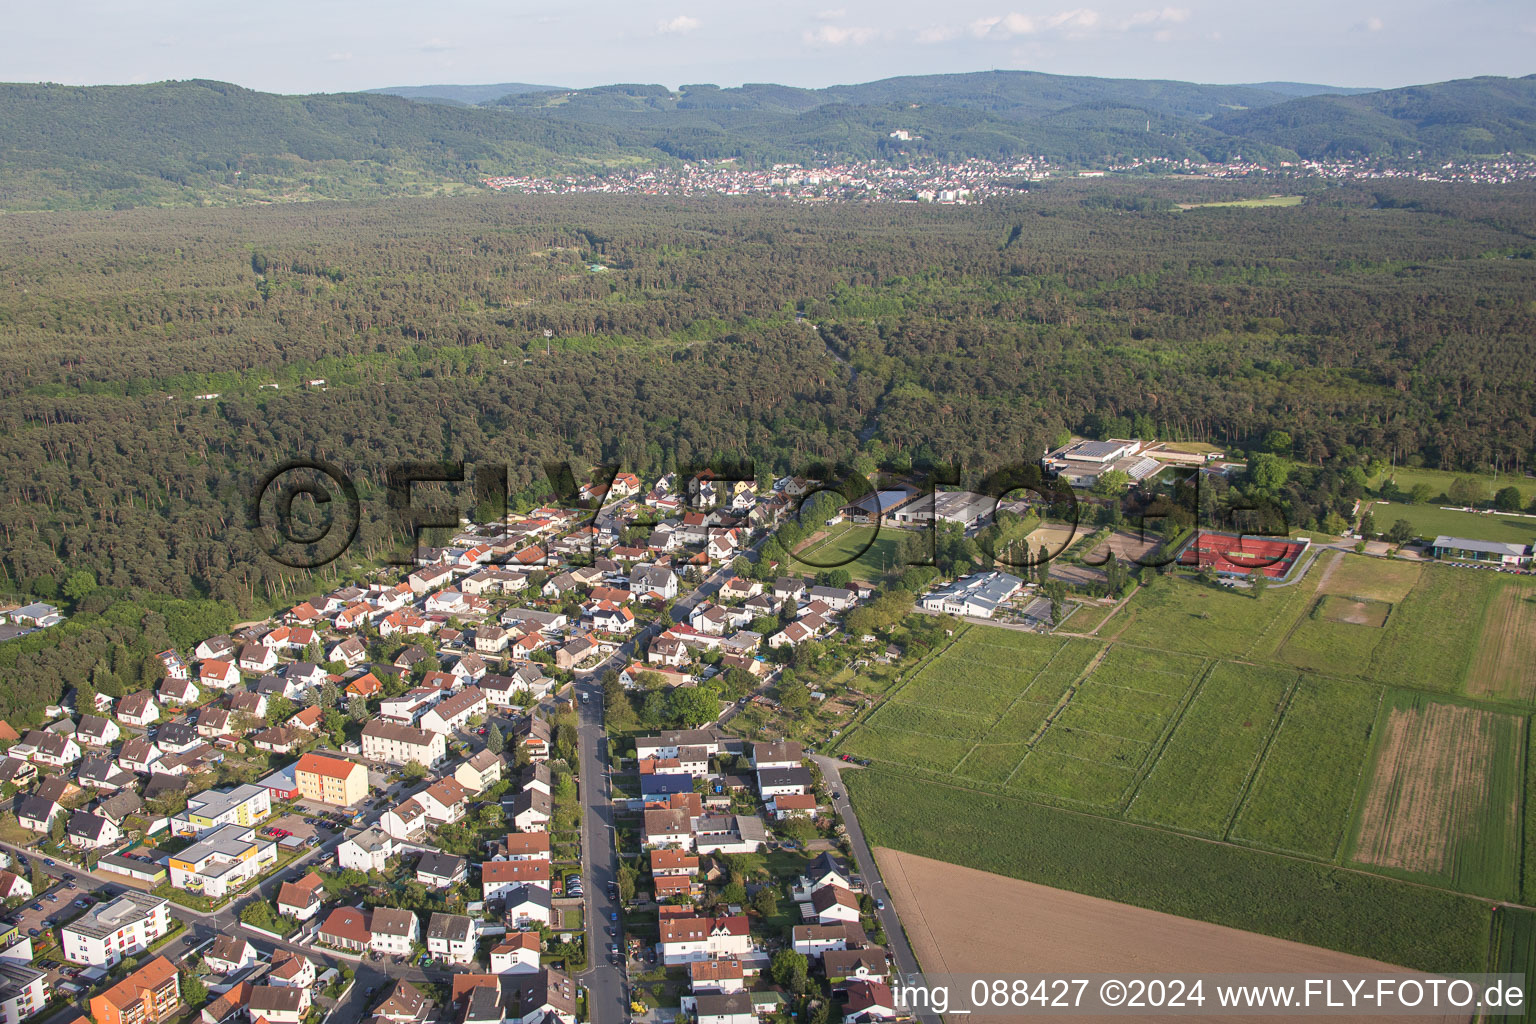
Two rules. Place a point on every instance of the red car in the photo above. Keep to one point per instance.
(281, 833)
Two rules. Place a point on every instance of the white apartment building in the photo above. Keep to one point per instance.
(110, 932)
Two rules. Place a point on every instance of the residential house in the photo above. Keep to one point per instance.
(219, 674)
(441, 870)
(228, 954)
(178, 691)
(455, 712)
(245, 805)
(534, 735)
(291, 970)
(781, 781)
(780, 754)
(36, 813)
(138, 754)
(369, 850)
(405, 821)
(138, 708)
(405, 1005)
(247, 703)
(214, 722)
(792, 805)
(301, 899)
(531, 810)
(350, 652)
(95, 731)
(868, 964)
(813, 940)
(346, 928)
(723, 975)
(452, 938)
(498, 877)
(214, 647)
(518, 953)
(524, 846)
(88, 830)
(526, 906)
(654, 579)
(833, 903)
(723, 1008)
(868, 1001)
(481, 772)
(278, 1004)
(444, 801)
(685, 939)
(257, 659)
(48, 748)
(392, 931)
(177, 738)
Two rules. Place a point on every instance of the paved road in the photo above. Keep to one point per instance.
(607, 1000)
(895, 938)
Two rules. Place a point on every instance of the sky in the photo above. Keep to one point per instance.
(300, 46)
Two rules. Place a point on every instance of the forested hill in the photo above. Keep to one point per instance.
(199, 142)
(1473, 115)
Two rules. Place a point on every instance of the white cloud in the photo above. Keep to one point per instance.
(832, 14)
(1371, 24)
(839, 35)
(436, 45)
(1166, 16)
(680, 25)
(339, 58)
(937, 34)
(1074, 23)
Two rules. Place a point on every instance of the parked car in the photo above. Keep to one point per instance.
(879, 904)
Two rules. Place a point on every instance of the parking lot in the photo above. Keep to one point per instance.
(295, 824)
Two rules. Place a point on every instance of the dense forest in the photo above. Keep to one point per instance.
(197, 142)
(1390, 324)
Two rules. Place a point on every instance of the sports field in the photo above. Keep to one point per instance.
(1429, 521)
(1335, 720)
(865, 554)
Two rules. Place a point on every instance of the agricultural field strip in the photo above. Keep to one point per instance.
(1281, 714)
(1066, 698)
(1362, 764)
(1017, 697)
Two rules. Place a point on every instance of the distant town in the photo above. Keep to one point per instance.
(972, 181)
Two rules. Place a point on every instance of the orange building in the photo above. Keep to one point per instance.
(330, 780)
(147, 996)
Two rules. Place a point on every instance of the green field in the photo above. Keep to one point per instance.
(1439, 482)
(1429, 521)
(1301, 797)
(865, 554)
(1513, 951)
(1201, 775)
(1356, 912)
(1208, 620)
